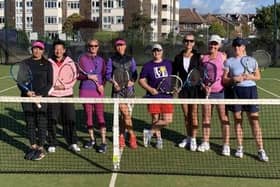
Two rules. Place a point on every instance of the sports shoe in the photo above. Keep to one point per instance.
(262, 155)
(133, 142)
(74, 147)
(102, 148)
(39, 155)
(122, 141)
(159, 144)
(29, 155)
(226, 150)
(90, 144)
(185, 142)
(146, 137)
(239, 152)
(204, 146)
(193, 145)
(51, 149)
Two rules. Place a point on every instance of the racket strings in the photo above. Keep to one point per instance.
(67, 74)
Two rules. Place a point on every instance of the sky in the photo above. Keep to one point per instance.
(225, 6)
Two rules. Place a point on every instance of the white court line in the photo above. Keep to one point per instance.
(4, 77)
(113, 180)
(271, 79)
(271, 93)
(2, 91)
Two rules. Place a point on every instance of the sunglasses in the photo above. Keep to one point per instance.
(93, 46)
(188, 41)
(156, 50)
(214, 43)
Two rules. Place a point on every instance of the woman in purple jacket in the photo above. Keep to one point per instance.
(92, 85)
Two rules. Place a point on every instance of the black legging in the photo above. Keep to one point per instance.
(65, 112)
(36, 127)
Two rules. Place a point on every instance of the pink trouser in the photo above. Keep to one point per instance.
(89, 109)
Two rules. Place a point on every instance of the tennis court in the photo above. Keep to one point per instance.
(170, 160)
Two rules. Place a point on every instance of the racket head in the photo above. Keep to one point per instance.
(121, 77)
(21, 73)
(170, 85)
(209, 73)
(81, 69)
(67, 74)
(193, 78)
(249, 64)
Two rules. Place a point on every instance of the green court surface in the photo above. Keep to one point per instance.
(184, 161)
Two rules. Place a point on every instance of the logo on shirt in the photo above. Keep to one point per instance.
(160, 72)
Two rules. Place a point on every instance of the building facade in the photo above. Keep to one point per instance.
(163, 13)
(46, 17)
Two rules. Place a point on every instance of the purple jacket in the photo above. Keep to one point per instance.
(93, 65)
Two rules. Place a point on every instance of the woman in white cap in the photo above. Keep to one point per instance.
(152, 73)
(244, 78)
(214, 58)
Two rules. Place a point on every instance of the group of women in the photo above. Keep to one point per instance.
(230, 73)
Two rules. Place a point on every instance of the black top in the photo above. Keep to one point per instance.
(42, 76)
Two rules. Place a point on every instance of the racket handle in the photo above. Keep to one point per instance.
(38, 105)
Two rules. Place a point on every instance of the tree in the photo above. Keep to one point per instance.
(141, 24)
(68, 25)
(264, 20)
(217, 28)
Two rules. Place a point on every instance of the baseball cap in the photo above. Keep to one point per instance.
(239, 41)
(39, 44)
(215, 38)
(120, 42)
(156, 46)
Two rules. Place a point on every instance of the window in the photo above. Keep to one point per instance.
(2, 19)
(50, 20)
(119, 19)
(108, 4)
(120, 4)
(52, 4)
(73, 4)
(2, 5)
(29, 4)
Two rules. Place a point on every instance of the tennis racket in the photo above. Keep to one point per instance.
(170, 85)
(92, 71)
(248, 64)
(209, 75)
(22, 74)
(193, 78)
(66, 75)
(122, 77)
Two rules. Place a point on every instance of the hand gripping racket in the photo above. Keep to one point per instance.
(209, 75)
(92, 71)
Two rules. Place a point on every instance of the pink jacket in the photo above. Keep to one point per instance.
(68, 91)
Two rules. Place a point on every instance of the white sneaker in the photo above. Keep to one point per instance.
(193, 145)
(159, 144)
(226, 150)
(74, 147)
(146, 137)
(239, 152)
(203, 147)
(185, 142)
(51, 149)
(262, 155)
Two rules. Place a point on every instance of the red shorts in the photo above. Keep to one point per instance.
(160, 108)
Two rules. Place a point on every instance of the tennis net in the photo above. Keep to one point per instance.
(169, 160)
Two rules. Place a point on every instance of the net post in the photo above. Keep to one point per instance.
(116, 147)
